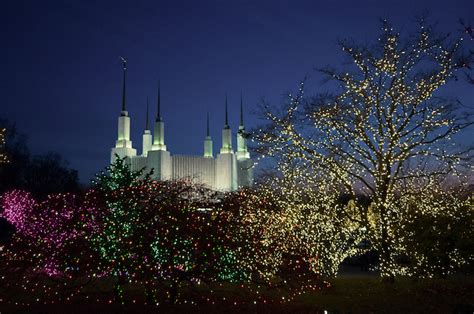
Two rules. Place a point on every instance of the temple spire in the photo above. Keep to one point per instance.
(159, 131)
(158, 114)
(226, 124)
(147, 143)
(241, 110)
(124, 79)
(147, 126)
(226, 133)
(208, 141)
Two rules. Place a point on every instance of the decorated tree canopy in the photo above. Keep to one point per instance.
(48, 233)
(381, 128)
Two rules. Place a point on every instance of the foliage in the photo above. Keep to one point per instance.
(49, 173)
(3, 156)
(119, 175)
(17, 208)
(18, 155)
(151, 231)
(436, 232)
(45, 231)
(167, 236)
(382, 128)
(256, 240)
(40, 174)
(162, 235)
(322, 227)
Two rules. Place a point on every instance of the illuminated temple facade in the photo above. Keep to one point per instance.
(227, 171)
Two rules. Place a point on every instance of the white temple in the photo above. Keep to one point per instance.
(225, 172)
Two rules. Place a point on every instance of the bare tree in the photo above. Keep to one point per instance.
(383, 127)
(467, 31)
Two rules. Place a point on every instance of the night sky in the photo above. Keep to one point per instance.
(61, 72)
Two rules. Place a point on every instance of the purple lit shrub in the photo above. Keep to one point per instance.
(17, 206)
(48, 234)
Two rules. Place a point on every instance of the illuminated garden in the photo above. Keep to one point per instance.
(365, 170)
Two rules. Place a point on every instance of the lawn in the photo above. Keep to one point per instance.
(359, 293)
(362, 294)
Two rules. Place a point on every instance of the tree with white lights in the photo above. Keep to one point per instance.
(382, 130)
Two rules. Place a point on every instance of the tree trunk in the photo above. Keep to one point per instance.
(118, 289)
(173, 292)
(150, 294)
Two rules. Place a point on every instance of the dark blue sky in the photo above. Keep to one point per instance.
(61, 73)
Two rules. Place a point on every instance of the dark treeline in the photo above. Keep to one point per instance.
(40, 174)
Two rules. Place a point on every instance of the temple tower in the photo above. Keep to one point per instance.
(208, 142)
(244, 163)
(159, 159)
(123, 144)
(226, 167)
(147, 137)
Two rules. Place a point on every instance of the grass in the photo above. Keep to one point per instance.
(362, 294)
(347, 294)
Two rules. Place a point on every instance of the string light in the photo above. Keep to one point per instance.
(384, 137)
(3, 156)
(131, 230)
(379, 136)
